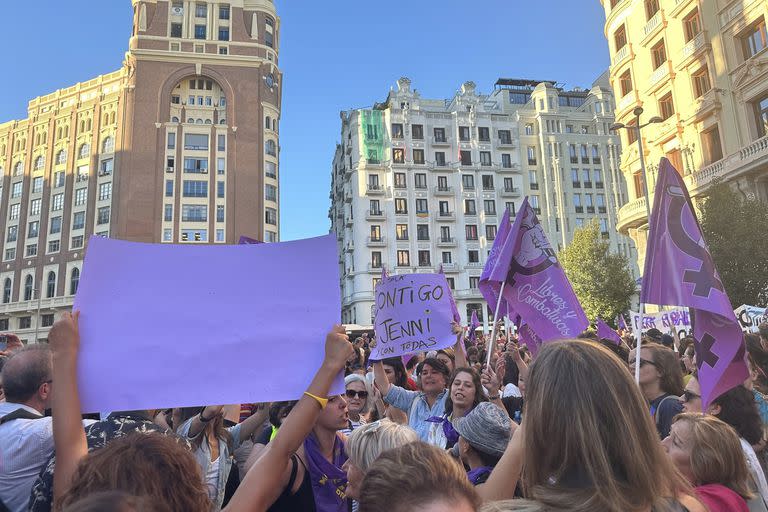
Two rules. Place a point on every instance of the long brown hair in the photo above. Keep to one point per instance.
(716, 454)
(151, 465)
(666, 361)
(412, 476)
(589, 442)
(215, 426)
(479, 390)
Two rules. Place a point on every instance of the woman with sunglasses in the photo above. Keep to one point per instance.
(357, 401)
(661, 383)
(737, 408)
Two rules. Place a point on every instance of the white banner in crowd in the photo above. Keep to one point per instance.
(749, 318)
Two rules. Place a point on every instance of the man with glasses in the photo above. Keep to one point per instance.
(26, 435)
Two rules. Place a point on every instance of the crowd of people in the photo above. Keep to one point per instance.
(566, 430)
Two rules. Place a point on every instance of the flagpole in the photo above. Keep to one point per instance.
(638, 343)
(492, 343)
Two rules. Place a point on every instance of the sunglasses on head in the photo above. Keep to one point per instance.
(688, 396)
(351, 393)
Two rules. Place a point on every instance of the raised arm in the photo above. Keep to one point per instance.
(459, 352)
(197, 423)
(68, 434)
(380, 378)
(254, 421)
(264, 482)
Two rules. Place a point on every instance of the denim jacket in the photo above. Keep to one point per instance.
(203, 456)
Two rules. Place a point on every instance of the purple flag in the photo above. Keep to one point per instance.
(679, 270)
(454, 308)
(604, 331)
(244, 240)
(474, 323)
(490, 286)
(527, 336)
(537, 288)
(621, 322)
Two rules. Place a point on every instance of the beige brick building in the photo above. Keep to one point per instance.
(180, 145)
(702, 66)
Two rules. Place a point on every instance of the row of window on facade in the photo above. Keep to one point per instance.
(201, 235)
(25, 322)
(62, 132)
(201, 25)
(84, 151)
(78, 222)
(444, 210)
(483, 133)
(28, 292)
(54, 246)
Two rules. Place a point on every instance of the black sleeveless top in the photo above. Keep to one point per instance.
(303, 499)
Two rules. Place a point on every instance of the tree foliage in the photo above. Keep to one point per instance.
(734, 229)
(601, 279)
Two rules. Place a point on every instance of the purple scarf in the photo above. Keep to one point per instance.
(329, 481)
(475, 474)
(451, 436)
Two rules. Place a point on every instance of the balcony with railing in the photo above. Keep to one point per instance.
(693, 47)
(376, 241)
(373, 189)
(440, 141)
(748, 159)
(510, 191)
(443, 191)
(446, 242)
(631, 215)
(624, 52)
(506, 143)
(660, 76)
(655, 23)
(446, 216)
(374, 215)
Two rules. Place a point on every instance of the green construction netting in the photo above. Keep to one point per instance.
(372, 126)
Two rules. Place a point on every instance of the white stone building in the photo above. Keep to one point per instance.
(417, 183)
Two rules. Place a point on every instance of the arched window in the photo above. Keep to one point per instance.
(274, 125)
(112, 118)
(208, 121)
(175, 119)
(84, 151)
(28, 287)
(61, 157)
(7, 290)
(270, 147)
(108, 145)
(268, 123)
(51, 287)
(223, 121)
(74, 282)
(199, 121)
(39, 163)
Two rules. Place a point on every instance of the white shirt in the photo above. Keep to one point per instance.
(753, 464)
(25, 447)
(511, 390)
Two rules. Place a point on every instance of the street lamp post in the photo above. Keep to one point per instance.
(637, 127)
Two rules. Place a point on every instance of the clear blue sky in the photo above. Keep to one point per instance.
(336, 55)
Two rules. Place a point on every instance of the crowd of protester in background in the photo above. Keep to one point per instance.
(568, 429)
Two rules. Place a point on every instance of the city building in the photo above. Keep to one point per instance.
(702, 67)
(180, 145)
(420, 183)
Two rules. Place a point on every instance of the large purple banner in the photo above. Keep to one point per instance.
(180, 325)
(679, 271)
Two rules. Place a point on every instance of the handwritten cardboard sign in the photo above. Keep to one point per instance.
(750, 317)
(413, 314)
(678, 319)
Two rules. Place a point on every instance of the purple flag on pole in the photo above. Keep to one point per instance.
(537, 288)
(490, 286)
(474, 323)
(621, 322)
(679, 270)
(454, 308)
(527, 336)
(604, 331)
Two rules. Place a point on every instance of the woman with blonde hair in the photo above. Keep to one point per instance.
(366, 444)
(417, 476)
(587, 442)
(708, 453)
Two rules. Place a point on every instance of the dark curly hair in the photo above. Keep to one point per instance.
(739, 410)
(153, 466)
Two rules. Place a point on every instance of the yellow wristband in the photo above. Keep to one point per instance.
(322, 401)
